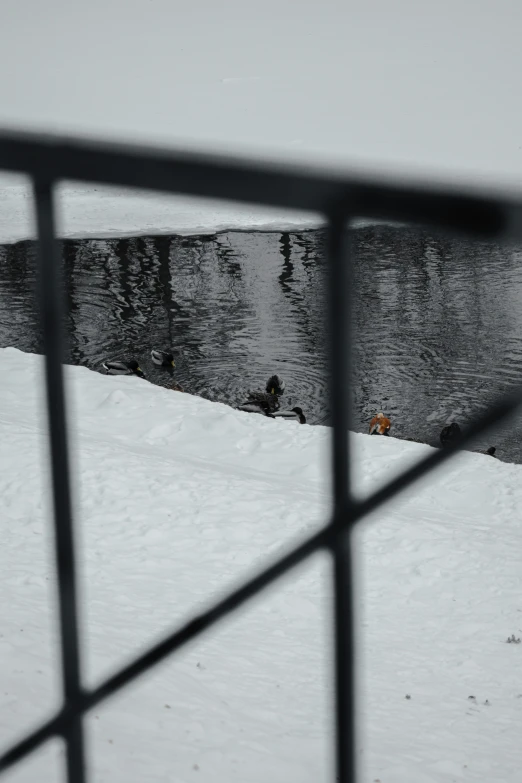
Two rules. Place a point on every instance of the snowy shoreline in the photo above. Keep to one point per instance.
(103, 213)
(113, 213)
(177, 500)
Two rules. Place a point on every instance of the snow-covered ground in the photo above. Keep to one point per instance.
(177, 500)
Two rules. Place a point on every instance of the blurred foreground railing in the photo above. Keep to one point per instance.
(340, 198)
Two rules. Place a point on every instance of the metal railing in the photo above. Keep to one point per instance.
(339, 198)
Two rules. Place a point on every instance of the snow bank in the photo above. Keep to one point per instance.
(178, 499)
(104, 212)
(98, 212)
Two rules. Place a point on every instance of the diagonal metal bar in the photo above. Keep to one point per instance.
(469, 209)
(86, 700)
(340, 299)
(51, 305)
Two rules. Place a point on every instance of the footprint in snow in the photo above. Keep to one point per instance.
(159, 432)
(248, 445)
(116, 397)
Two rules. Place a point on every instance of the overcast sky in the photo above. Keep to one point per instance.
(434, 85)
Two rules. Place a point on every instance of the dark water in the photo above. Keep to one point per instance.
(438, 321)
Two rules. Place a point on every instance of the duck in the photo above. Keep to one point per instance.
(380, 425)
(266, 402)
(450, 434)
(162, 358)
(123, 368)
(275, 385)
(295, 414)
(265, 407)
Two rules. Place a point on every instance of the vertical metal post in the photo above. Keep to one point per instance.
(52, 310)
(340, 295)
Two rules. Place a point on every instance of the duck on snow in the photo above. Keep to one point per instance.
(380, 425)
(452, 434)
(294, 414)
(123, 368)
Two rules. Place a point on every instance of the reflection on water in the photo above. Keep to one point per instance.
(438, 321)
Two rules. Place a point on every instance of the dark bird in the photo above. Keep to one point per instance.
(266, 402)
(450, 434)
(123, 368)
(265, 406)
(162, 358)
(275, 385)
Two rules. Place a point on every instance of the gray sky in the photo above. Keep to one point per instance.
(434, 85)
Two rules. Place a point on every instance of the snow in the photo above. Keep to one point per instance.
(178, 499)
(408, 87)
(102, 212)
(409, 92)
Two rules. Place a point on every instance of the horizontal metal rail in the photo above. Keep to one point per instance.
(451, 207)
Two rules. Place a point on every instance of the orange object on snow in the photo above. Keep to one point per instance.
(380, 425)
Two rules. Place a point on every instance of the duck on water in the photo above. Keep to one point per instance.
(165, 359)
(162, 358)
(266, 402)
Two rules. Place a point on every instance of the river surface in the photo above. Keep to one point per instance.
(438, 321)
